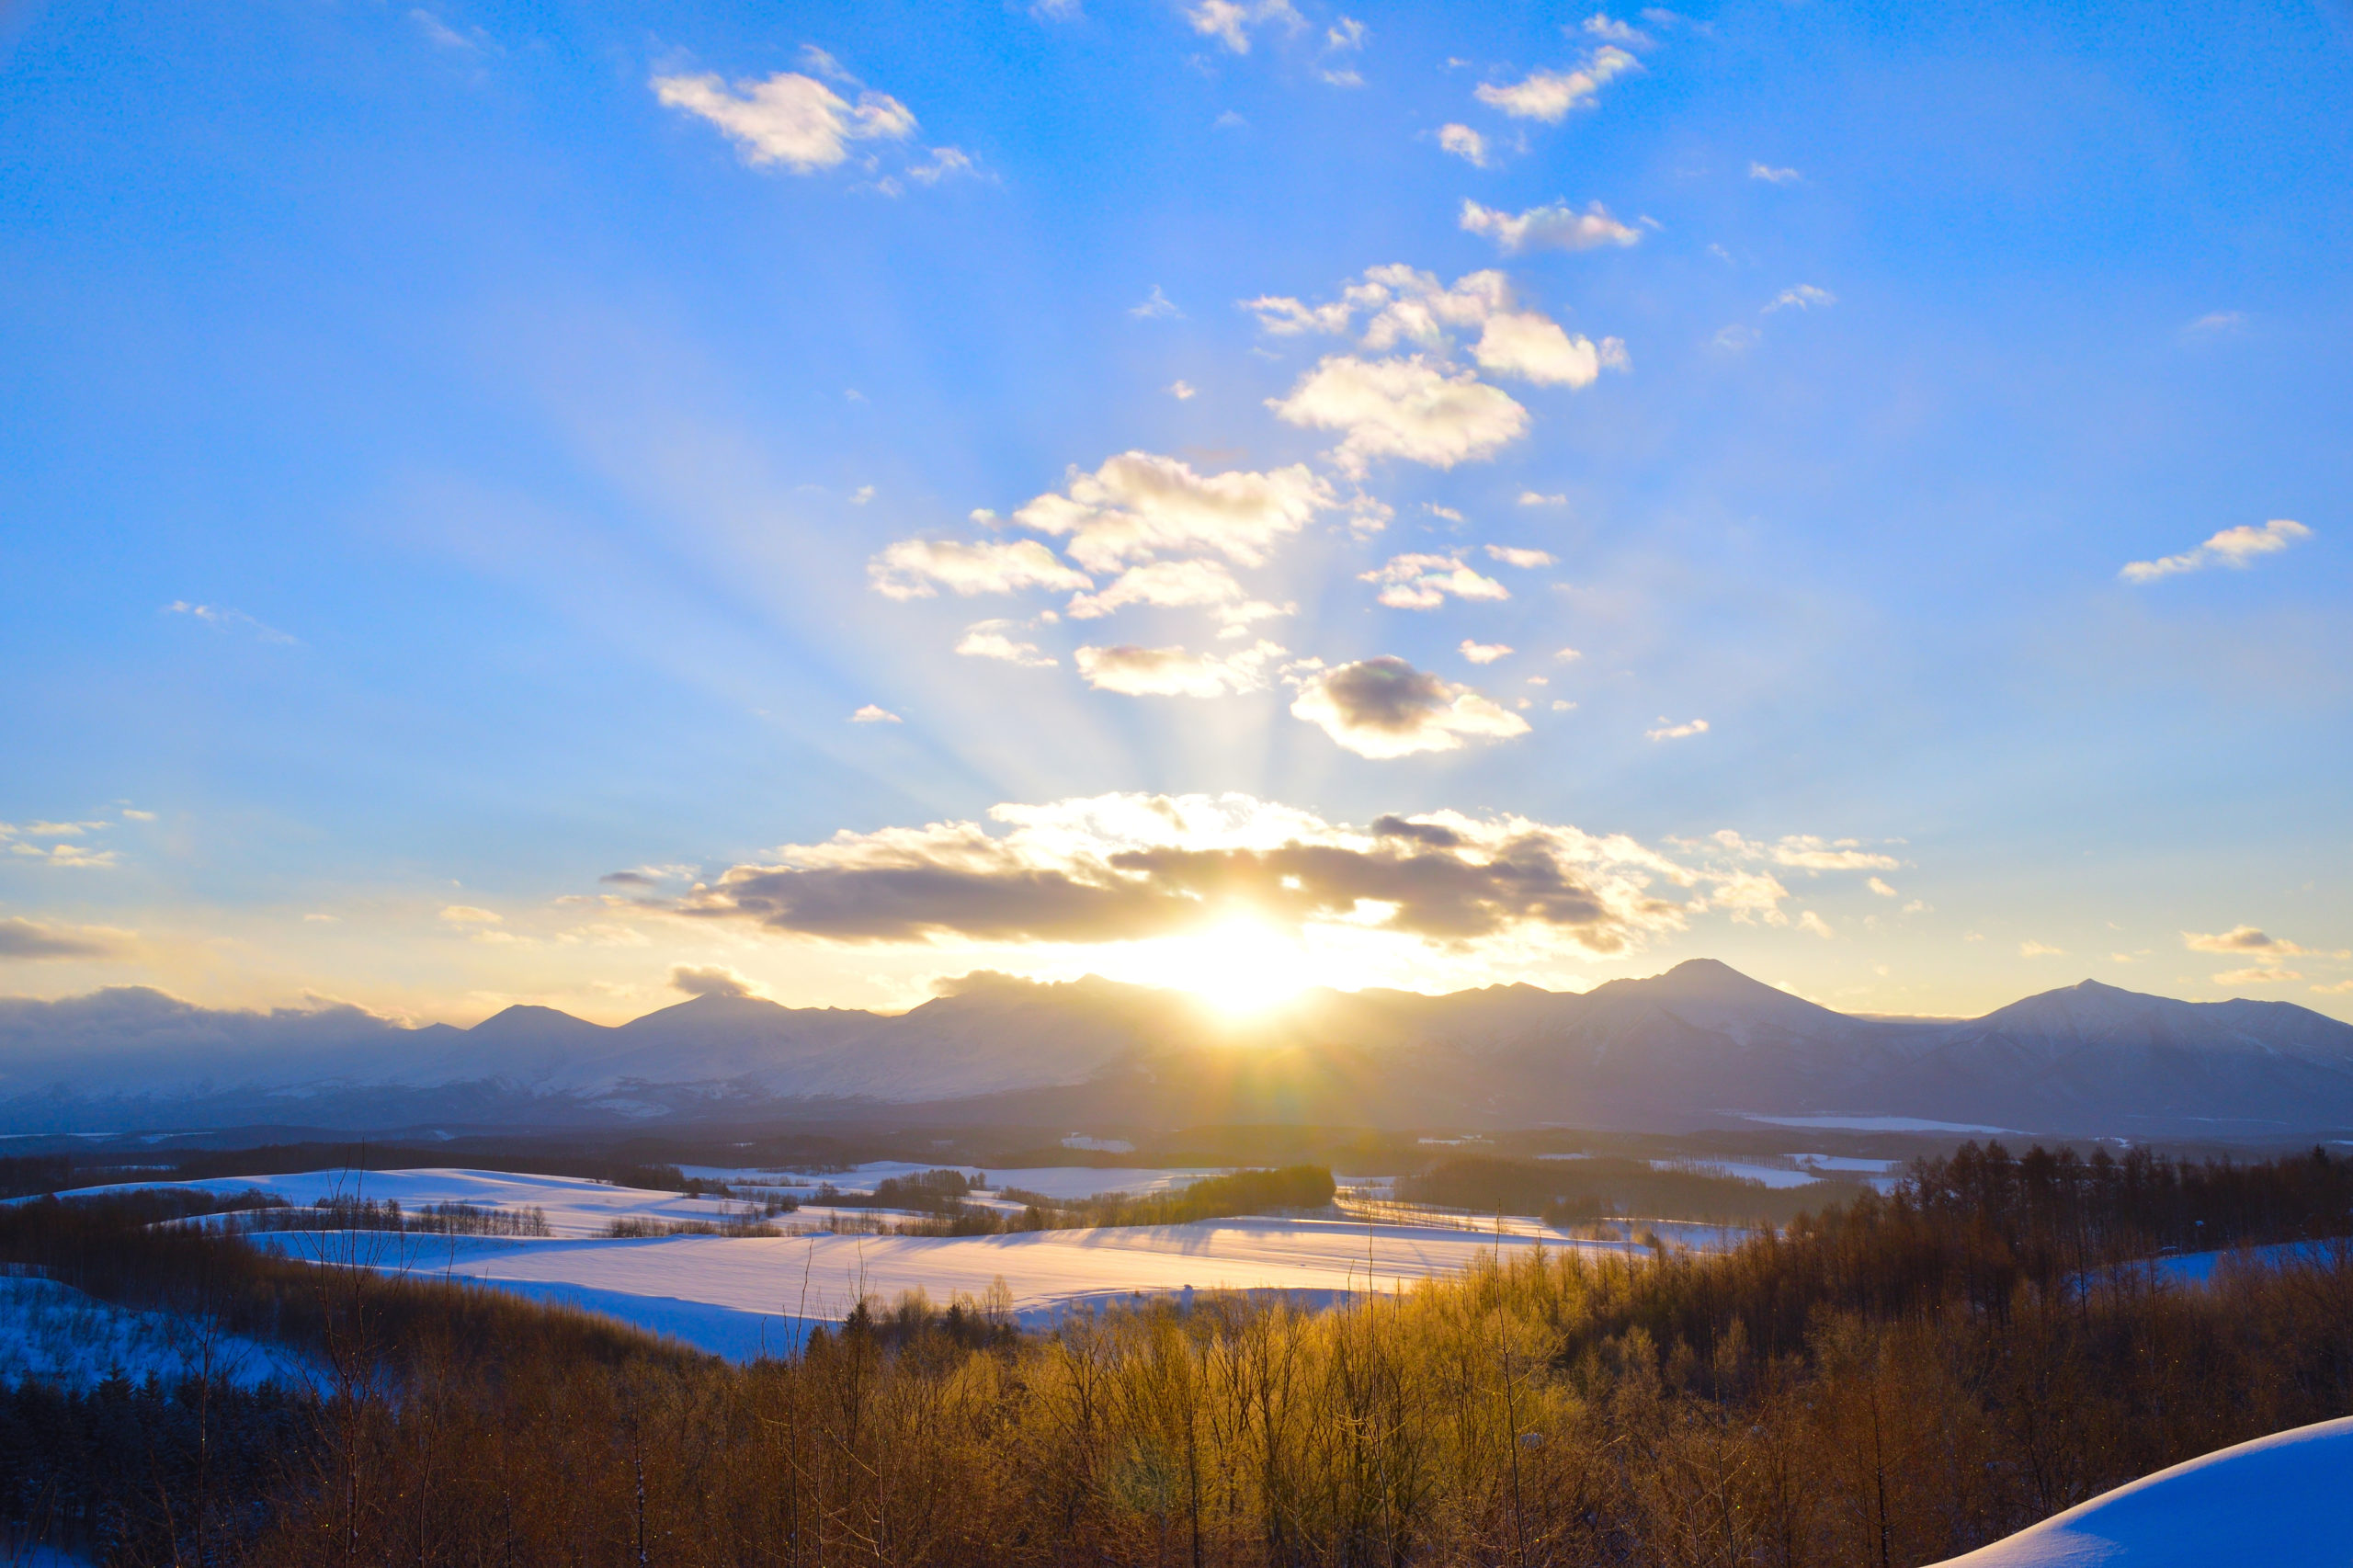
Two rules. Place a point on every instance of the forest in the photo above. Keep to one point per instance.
(1891, 1381)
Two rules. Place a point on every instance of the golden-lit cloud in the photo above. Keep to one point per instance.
(1384, 707)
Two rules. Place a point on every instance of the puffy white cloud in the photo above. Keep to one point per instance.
(995, 640)
(2235, 548)
(874, 714)
(1484, 652)
(1405, 306)
(788, 118)
(1548, 96)
(1422, 581)
(1511, 555)
(911, 568)
(1230, 22)
(1413, 408)
(1139, 504)
(1880, 888)
(1667, 731)
(1556, 227)
(1383, 707)
(1538, 499)
(1177, 584)
(1464, 144)
(1802, 297)
(1536, 348)
(23, 938)
(1772, 175)
(1173, 672)
(1181, 390)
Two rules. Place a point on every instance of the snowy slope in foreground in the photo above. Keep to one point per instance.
(2282, 1499)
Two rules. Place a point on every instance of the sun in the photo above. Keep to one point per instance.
(1238, 966)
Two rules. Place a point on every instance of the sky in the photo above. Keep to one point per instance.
(588, 505)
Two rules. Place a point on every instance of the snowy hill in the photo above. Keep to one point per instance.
(1700, 1045)
(2282, 1499)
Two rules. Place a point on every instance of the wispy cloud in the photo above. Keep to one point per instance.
(874, 714)
(1673, 732)
(1173, 672)
(1555, 227)
(1157, 306)
(1231, 23)
(1802, 297)
(995, 640)
(1424, 582)
(2034, 949)
(221, 619)
(2236, 548)
(39, 940)
(1771, 175)
(1512, 555)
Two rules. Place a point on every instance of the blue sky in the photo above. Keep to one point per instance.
(450, 454)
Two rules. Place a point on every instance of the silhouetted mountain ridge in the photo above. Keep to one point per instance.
(1701, 1043)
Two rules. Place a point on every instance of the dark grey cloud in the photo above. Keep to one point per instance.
(627, 878)
(1438, 885)
(1385, 708)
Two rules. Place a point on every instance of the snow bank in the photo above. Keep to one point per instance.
(2282, 1499)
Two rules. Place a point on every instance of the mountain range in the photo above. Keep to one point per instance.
(1700, 1045)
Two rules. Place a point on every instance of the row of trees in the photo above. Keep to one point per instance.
(1890, 1383)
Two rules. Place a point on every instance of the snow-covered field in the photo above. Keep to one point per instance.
(1065, 1182)
(2282, 1499)
(736, 1295)
(56, 1334)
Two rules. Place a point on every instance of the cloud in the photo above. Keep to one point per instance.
(2215, 323)
(1566, 654)
(1383, 707)
(224, 619)
(2033, 949)
(1802, 297)
(1158, 307)
(630, 880)
(1139, 504)
(1538, 499)
(909, 569)
(1484, 652)
(1880, 888)
(1511, 555)
(131, 813)
(1464, 144)
(716, 980)
(1173, 672)
(1612, 30)
(467, 915)
(1548, 96)
(1126, 868)
(1737, 338)
(2247, 941)
(1411, 408)
(1799, 851)
(2338, 989)
(1230, 23)
(1667, 731)
(2260, 974)
(1422, 581)
(1556, 227)
(1181, 390)
(1177, 584)
(945, 162)
(873, 713)
(2235, 548)
(1534, 348)
(1810, 921)
(22, 938)
(788, 118)
(994, 640)
(1772, 175)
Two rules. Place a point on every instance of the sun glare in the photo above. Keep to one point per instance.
(1239, 966)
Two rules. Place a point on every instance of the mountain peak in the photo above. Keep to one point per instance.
(525, 1018)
